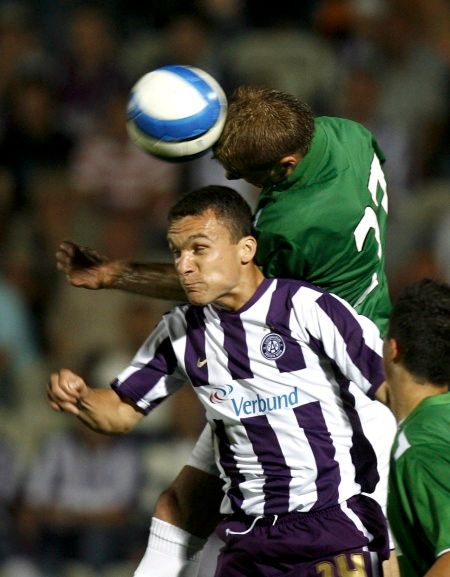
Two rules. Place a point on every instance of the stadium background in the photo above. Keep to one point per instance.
(68, 171)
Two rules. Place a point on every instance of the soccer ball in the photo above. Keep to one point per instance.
(176, 112)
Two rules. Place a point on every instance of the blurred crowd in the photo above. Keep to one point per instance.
(74, 502)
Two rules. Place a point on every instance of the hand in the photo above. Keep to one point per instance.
(65, 391)
(83, 266)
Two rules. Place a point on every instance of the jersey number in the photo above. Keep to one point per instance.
(369, 220)
(326, 568)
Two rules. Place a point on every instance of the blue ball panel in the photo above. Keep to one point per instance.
(182, 128)
(175, 130)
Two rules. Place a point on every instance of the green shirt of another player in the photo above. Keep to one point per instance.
(419, 486)
(326, 222)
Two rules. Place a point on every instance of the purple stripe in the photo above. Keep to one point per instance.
(277, 320)
(195, 346)
(310, 419)
(367, 360)
(363, 456)
(371, 516)
(362, 453)
(268, 451)
(228, 462)
(137, 385)
(235, 344)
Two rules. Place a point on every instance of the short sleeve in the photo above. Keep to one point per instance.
(426, 479)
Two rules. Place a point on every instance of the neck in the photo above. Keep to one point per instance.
(409, 393)
(243, 293)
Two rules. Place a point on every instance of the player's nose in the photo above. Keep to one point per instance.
(184, 264)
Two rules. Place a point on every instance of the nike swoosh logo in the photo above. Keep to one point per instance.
(201, 362)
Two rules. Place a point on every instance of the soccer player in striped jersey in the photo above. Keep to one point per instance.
(283, 369)
(321, 216)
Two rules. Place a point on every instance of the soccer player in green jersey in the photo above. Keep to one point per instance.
(321, 216)
(417, 368)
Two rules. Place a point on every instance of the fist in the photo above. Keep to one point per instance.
(65, 391)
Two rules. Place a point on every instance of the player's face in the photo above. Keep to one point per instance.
(209, 264)
(266, 175)
(258, 177)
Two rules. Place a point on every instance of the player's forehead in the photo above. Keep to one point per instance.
(205, 226)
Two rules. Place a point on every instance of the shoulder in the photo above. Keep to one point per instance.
(338, 123)
(304, 290)
(308, 300)
(424, 437)
(424, 465)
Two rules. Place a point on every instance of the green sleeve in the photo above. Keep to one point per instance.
(426, 480)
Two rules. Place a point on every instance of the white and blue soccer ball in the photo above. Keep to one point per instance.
(176, 112)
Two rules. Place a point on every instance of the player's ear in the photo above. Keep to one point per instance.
(284, 167)
(391, 350)
(247, 249)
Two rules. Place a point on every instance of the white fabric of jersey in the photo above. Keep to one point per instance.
(286, 384)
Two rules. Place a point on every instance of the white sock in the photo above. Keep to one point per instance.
(171, 552)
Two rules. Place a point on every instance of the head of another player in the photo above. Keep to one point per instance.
(213, 248)
(417, 343)
(265, 135)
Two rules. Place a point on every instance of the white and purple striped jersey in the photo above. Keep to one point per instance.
(286, 382)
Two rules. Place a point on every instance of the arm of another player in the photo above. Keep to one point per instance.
(102, 410)
(390, 566)
(441, 567)
(85, 268)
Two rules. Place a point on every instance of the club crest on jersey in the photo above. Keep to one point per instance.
(272, 346)
(220, 394)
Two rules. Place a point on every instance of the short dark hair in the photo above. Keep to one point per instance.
(420, 323)
(262, 126)
(228, 205)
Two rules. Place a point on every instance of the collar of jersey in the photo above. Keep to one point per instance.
(443, 399)
(261, 289)
(313, 169)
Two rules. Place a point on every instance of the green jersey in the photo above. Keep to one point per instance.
(326, 222)
(419, 486)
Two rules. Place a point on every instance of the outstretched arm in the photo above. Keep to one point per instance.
(102, 410)
(85, 268)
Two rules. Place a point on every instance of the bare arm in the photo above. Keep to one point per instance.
(390, 566)
(441, 567)
(102, 410)
(86, 268)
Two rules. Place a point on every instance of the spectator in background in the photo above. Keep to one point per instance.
(417, 368)
(441, 249)
(89, 67)
(32, 138)
(20, 46)
(413, 68)
(18, 345)
(52, 209)
(79, 498)
(119, 181)
(359, 99)
(10, 480)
